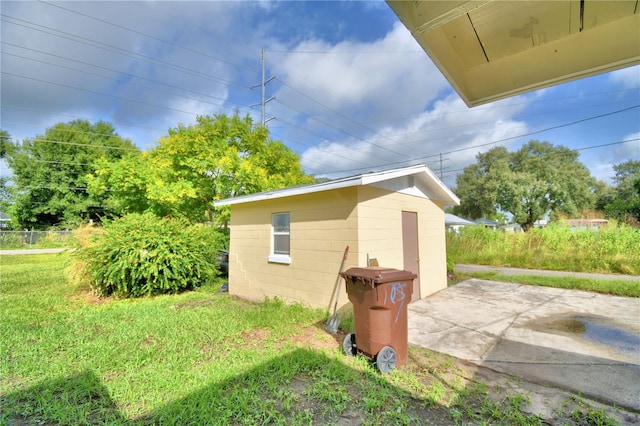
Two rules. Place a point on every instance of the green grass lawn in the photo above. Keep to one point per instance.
(614, 287)
(200, 357)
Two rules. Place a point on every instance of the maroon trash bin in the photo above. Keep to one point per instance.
(380, 297)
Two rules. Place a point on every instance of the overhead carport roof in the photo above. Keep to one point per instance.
(490, 50)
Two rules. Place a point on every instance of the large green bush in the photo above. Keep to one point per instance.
(142, 254)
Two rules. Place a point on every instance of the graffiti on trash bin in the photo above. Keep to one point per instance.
(397, 296)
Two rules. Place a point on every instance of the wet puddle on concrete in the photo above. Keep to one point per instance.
(593, 328)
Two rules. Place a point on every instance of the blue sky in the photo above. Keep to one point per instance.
(353, 90)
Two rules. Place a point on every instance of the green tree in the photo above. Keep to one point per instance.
(49, 181)
(123, 185)
(5, 142)
(537, 180)
(624, 203)
(5, 194)
(477, 185)
(192, 166)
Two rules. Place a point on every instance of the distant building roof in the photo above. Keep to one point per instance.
(585, 222)
(452, 219)
(487, 222)
(574, 221)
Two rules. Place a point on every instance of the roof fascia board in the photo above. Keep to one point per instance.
(430, 185)
(289, 192)
(445, 193)
(371, 178)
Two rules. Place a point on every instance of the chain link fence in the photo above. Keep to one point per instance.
(32, 239)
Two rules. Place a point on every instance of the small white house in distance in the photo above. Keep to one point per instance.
(290, 243)
(4, 220)
(453, 223)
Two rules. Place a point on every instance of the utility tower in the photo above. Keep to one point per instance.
(263, 99)
(442, 160)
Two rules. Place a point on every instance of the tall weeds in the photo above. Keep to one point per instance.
(612, 250)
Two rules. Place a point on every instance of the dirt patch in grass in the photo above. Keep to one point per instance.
(149, 341)
(313, 337)
(253, 338)
(192, 304)
(84, 295)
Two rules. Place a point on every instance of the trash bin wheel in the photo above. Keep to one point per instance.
(349, 344)
(386, 359)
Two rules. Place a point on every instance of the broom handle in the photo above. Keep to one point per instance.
(344, 259)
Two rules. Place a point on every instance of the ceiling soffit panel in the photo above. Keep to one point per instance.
(489, 50)
(519, 26)
(464, 41)
(435, 13)
(603, 12)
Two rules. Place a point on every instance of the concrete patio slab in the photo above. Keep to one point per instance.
(575, 340)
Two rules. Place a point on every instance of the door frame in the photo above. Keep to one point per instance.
(411, 249)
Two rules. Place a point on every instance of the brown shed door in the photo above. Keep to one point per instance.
(410, 249)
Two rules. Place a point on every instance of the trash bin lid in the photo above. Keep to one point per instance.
(378, 275)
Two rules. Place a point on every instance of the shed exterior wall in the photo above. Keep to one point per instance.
(321, 226)
(380, 234)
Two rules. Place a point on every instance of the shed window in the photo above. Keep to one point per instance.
(280, 225)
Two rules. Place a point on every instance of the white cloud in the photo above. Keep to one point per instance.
(601, 162)
(89, 68)
(449, 128)
(359, 105)
(368, 82)
(629, 78)
(629, 150)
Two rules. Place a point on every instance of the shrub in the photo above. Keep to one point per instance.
(142, 254)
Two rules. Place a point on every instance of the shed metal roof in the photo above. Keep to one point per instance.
(490, 50)
(422, 176)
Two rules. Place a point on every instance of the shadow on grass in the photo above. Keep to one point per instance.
(79, 399)
(300, 387)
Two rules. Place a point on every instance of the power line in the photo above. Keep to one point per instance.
(188, 49)
(133, 84)
(82, 132)
(524, 135)
(133, 54)
(545, 130)
(117, 50)
(98, 93)
(503, 104)
(120, 73)
(194, 51)
(292, 88)
(350, 52)
(417, 161)
(84, 144)
(604, 145)
(447, 152)
(75, 117)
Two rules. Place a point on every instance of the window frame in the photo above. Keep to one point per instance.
(280, 257)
